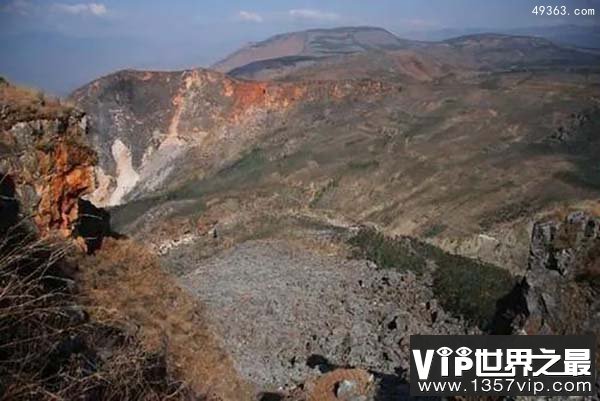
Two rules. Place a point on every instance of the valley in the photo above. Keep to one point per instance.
(304, 206)
(465, 161)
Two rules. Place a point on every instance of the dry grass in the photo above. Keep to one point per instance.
(49, 347)
(128, 282)
(563, 210)
(19, 103)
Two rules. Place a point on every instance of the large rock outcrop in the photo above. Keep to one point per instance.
(46, 165)
(559, 294)
(563, 275)
(560, 291)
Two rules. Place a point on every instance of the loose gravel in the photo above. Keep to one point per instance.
(275, 305)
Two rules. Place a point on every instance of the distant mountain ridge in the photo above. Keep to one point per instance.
(283, 55)
(315, 43)
(58, 63)
(585, 36)
(364, 51)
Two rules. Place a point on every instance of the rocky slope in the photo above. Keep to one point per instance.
(463, 127)
(76, 326)
(348, 312)
(402, 65)
(397, 153)
(512, 51)
(145, 123)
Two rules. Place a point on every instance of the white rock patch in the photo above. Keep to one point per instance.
(127, 177)
(104, 186)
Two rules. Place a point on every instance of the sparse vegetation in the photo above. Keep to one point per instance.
(491, 83)
(331, 184)
(129, 284)
(587, 175)
(250, 162)
(49, 347)
(363, 165)
(386, 252)
(26, 104)
(470, 288)
(123, 215)
(507, 213)
(465, 287)
(434, 230)
(246, 170)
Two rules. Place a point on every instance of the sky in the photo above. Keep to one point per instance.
(60, 45)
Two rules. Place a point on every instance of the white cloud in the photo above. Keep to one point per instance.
(312, 14)
(22, 7)
(95, 9)
(249, 16)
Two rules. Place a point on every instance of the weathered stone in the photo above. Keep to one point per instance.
(559, 294)
(315, 316)
(341, 385)
(47, 158)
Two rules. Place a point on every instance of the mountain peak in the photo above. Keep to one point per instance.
(314, 43)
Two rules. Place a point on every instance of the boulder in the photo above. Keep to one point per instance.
(560, 291)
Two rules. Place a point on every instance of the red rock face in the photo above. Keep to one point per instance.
(270, 96)
(247, 96)
(66, 174)
(46, 156)
(273, 96)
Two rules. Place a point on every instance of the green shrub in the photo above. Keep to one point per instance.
(469, 288)
(434, 230)
(245, 171)
(331, 184)
(363, 165)
(465, 287)
(386, 252)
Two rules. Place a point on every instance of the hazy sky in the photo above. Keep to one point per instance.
(61, 44)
